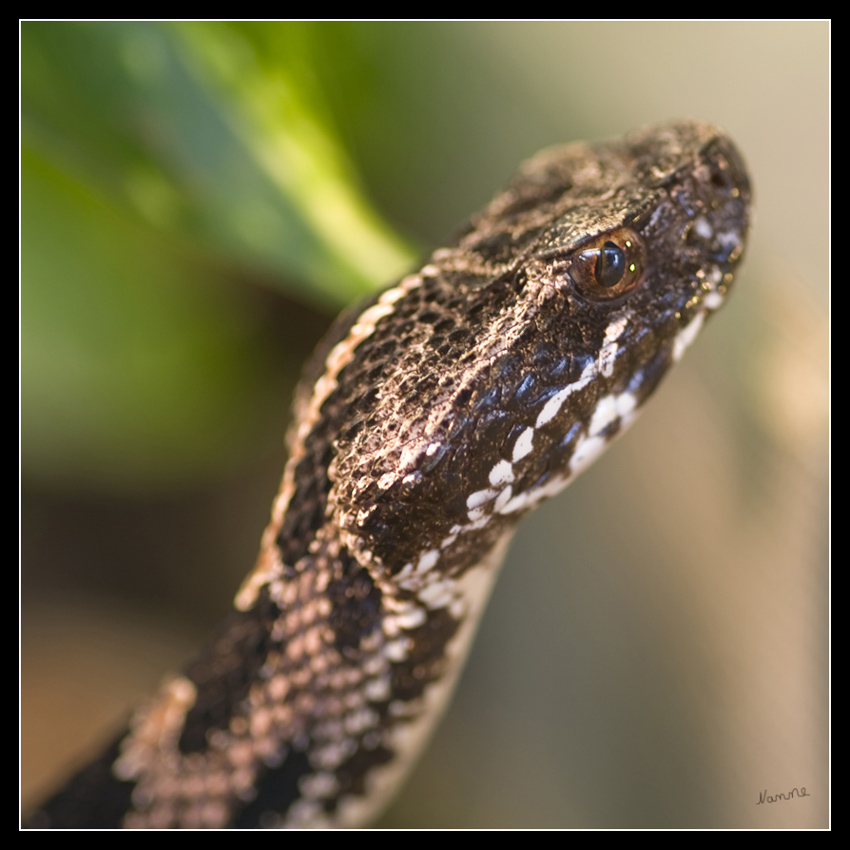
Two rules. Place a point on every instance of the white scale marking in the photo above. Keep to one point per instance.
(427, 560)
(450, 539)
(503, 498)
(616, 328)
(607, 358)
(730, 240)
(523, 445)
(586, 451)
(532, 497)
(477, 519)
(687, 335)
(501, 473)
(608, 352)
(553, 406)
(439, 594)
(714, 275)
(713, 300)
(480, 497)
(608, 409)
(703, 227)
(377, 690)
(412, 619)
(397, 650)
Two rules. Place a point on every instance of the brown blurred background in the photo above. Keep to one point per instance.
(656, 653)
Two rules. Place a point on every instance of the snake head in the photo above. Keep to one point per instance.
(516, 355)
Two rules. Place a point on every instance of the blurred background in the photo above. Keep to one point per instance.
(197, 202)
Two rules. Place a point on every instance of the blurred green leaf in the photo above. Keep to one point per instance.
(133, 367)
(213, 132)
(157, 161)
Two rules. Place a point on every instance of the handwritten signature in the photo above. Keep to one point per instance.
(764, 797)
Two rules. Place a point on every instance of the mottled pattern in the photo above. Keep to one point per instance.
(429, 423)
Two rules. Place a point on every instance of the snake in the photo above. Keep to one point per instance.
(428, 423)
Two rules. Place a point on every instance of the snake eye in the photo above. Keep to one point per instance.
(609, 266)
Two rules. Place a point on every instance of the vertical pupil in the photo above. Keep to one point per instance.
(611, 265)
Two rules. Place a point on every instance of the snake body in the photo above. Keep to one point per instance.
(430, 421)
